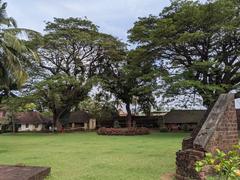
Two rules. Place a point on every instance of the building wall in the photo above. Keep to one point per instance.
(238, 118)
(92, 124)
(31, 127)
(226, 132)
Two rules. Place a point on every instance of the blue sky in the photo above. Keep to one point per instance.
(113, 16)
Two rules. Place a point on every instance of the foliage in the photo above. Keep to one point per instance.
(226, 165)
(123, 131)
(98, 109)
(116, 124)
(130, 78)
(13, 105)
(195, 46)
(75, 47)
(163, 129)
(14, 54)
(19, 104)
(185, 127)
(72, 52)
(60, 94)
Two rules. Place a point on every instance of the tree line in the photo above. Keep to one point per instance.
(189, 48)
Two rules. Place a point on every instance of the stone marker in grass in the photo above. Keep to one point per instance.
(21, 172)
(217, 131)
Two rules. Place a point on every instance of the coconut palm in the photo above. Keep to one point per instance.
(13, 53)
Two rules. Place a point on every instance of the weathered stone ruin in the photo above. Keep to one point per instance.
(217, 130)
(22, 172)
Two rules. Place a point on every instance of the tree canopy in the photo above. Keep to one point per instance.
(72, 53)
(195, 45)
(191, 48)
(14, 54)
(129, 78)
(75, 47)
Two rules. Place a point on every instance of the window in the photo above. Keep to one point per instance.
(36, 125)
(27, 125)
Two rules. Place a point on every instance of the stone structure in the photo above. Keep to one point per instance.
(23, 172)
(238, 118)
(217, 130)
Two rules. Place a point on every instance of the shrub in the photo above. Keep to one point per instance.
(116, 124)
(185, 128)
(123, 131)
(225, 165)
(164, 129)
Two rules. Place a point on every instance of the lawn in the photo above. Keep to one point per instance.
(87, 156)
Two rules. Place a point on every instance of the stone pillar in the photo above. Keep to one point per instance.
(92, 124)
(73, 125)
(85, 126)
(219, 131)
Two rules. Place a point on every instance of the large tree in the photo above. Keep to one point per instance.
(129, 78)
(75, 47)
(72, 52)
(59, 94)
(195, 45)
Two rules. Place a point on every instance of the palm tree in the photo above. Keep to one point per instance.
(13, 54)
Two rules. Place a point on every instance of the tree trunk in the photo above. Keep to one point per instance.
(14, 125)
(12, 119)
(129, 115)
(55, 120)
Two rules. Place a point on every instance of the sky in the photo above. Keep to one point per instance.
(114, 17)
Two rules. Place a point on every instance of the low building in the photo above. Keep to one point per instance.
(81, 119)
(183, 119)
(32, 121)
(122, 113)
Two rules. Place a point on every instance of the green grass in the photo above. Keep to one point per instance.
(87, 156)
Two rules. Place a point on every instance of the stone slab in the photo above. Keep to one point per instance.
(23, 172)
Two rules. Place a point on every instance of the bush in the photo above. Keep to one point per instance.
(123, 131)
(116, 124)
(163, 129)
(225, 165)
(185, 128)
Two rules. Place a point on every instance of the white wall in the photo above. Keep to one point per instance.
(31, 127)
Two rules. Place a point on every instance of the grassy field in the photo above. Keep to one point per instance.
(87, 156)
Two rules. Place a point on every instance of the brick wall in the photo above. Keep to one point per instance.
(238, 118)
(226, 133)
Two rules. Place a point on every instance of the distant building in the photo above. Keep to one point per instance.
(121, 113)
(32, 121)
(181, 119)
(158, 113)
(81, 119)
